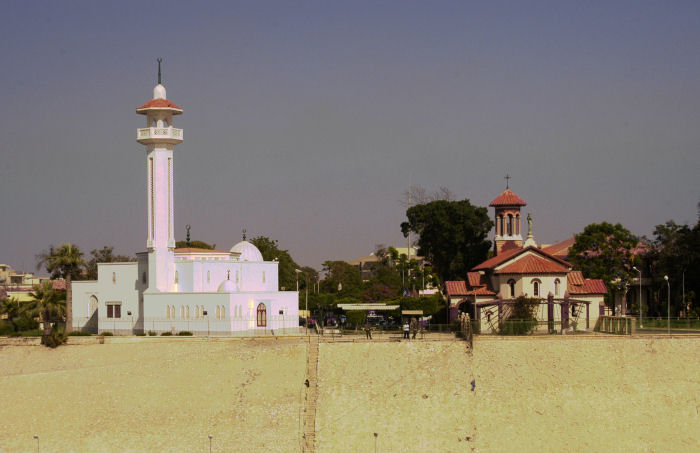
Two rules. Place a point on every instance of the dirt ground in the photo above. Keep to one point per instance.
(533, 394)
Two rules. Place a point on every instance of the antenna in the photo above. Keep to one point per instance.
(159, 60)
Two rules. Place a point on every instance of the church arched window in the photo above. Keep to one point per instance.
(511, 286)
(517, 223)
(536, 287)
(262, 315)
(510, 225)
(557, 283)
(114, 277)
(500, 221)
(223, 312)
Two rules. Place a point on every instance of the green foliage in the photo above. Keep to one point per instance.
(452, 235)
(25, 322)
(355, 318)
(605, 251)
(430, 305)
(166, 334)
(6, 327)
(185, 333)
(27, 333)
(522, 319)
(270, 251)
(79, 333)
(65, 261)
(195, 244)
(152, 333)
(107, 334)
(56, 338)
(675, 251)
(342, 278)
(103, 255)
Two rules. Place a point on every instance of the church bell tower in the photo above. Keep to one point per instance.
(160, 137)
(507, 206)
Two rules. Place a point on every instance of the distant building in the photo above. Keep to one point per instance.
(368, 264)
(19, 284)
(521, 268)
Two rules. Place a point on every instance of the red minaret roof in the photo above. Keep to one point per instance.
(508, 198)
(159, 104)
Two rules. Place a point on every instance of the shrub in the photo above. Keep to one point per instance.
(166, 334)
(107, 334)
(522, 320)
(25, 323)
(185, 333)
(79, 333)
(28, 333)
(152, 333)
(6, 328)
(56, 338)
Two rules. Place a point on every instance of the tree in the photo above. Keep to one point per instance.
(452, 235)
(103, 255)
(342, 278)
(49, 304)
(66, 262)
(605, 251)
(270, 251)
(195, 244)
(675, 251)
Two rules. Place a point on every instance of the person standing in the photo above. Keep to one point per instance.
(405, 330)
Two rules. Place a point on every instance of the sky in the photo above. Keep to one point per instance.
(306, 121)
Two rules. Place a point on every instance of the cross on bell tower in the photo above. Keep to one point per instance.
(507, 218)
(160, 138)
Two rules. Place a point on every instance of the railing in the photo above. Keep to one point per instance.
(159, 132)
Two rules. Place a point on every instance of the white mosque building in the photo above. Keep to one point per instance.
(172, 289)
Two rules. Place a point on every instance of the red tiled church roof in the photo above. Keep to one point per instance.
(159, 104)
(477, 285)
(560, 249)
(456, 288)
(534, 264)
(508, 198)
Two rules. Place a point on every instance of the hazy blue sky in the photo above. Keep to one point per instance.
(304, 121)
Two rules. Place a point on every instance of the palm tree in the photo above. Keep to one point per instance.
(10, 307)
(48, 304)
(67, 262)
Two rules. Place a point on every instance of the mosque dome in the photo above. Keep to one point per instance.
(247, 251)
(227, 286)
(159, 92)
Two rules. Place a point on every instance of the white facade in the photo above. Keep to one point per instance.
(172, 290)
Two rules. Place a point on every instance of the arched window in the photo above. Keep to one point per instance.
(182, 311)
(177, 277)
(167, 312)
(556, 287)
(517, 223)
(92, 305)
(262, 315)
(510, 225)
(218, 312)
(536, 287)
(500, 221)
(143, 277)
(208, 276)
(165, 123)
(187, 311)
(114, 277)
(172, 311)
(263, 277)
(153, 123)
(511, 286)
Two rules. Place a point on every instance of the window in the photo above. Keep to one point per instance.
(218, 312)
(536, 288)
(114, 277)
(143, 278)
(511, 285)
(114, 309)
(182, 311)
(510, 225)
(262, 315)
(187, 311)
(167, 312)
(208, 276)
(223, 312)
(263, 277)
(556, 287)
(517, 224)
(500, 221)
(177, 277)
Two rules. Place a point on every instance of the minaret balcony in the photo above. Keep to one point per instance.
(169, 134)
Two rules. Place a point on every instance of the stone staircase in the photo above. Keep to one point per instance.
(309, 414)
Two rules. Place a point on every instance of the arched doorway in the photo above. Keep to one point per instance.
(91, 323)
(262, 315)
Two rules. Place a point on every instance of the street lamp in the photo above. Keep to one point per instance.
(669, 303)
(640, 295)
(36, 436)
(210, 436)
(298, 271)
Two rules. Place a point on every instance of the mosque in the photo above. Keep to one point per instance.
(172, 289)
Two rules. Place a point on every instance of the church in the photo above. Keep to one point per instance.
(522, 268)
(168, 289)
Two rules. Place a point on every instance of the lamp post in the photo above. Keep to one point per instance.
(36, 436)
(210, 437)
(640, 295)
(306, 305)
(298, 271)
(669, 303)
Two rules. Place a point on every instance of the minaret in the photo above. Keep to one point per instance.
(160, 137)
(507, 206)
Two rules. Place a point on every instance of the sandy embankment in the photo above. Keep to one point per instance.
(532, 394)
(158, 396)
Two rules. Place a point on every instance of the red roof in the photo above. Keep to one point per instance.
(560, 249)
(590, 286)
(159, 104)
(455, 288)
(498, 259)
(59, 285)
(575, 278)
(508, 198)
(534, 264)
(474, 279)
